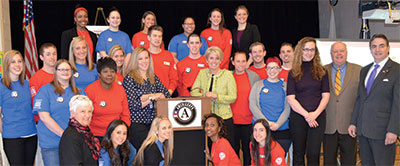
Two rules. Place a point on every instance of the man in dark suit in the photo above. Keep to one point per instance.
(343, 79)
(376, 117)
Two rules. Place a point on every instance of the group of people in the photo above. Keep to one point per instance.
(102, 110)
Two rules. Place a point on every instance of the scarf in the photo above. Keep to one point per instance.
(90, 140)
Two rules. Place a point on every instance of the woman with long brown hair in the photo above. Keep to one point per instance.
(17, 124)
(51, 102)
(307, 95)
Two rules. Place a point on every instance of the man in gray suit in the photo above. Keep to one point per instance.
(376, 118)
(343, 79)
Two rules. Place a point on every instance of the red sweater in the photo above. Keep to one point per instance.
(223, 41)
(241, 113)
(108, 105)
(188, 69)
(222, 154)
(262, 72)
(277, 155)
(164, 68)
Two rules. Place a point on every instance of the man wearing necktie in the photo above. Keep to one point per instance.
(344, 80)
(376, 118)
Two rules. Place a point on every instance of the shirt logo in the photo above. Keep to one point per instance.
(110, 40)
(33, 91)
(76, 75)
(119, 82)
(210, 38)
(167, 63)
(14, 94)
(141, 43)
(266, 91)
(60, 99)
(230, 42)
(103, 104)
(187, 70)
(38, 104)
(222, 155)
(278, 160)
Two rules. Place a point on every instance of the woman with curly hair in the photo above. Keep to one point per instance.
(116, 149)
(222, 152)
(307, 95)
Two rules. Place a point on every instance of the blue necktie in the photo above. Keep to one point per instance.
(371, 78)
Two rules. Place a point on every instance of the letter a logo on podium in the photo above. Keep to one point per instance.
(184, 113)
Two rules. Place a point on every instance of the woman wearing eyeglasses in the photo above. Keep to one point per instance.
(51, 102)
(268, 101)
(308, 95)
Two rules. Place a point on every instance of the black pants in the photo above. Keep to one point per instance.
(306, 140)
(230, 130)
(243, 133)
(138, 133)
(347, 145)
(375, 152)
(20, 151)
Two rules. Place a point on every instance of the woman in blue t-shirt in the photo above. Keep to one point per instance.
(18, 125)
(113, 36)
(116, 149)
(267, 100)
(51, 102)
(79, 57)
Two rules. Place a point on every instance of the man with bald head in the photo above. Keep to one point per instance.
(344, 79)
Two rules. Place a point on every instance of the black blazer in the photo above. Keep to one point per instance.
(377, 113)
(73, 149)
(249, 36)
(152, 155)
(66, 39)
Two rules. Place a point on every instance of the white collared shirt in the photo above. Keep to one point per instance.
(381, 64)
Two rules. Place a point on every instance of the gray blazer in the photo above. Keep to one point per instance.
(378, 113)
(339, 108)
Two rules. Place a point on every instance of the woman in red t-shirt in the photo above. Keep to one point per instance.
(217, 35)
(263, 149)
(222, 153)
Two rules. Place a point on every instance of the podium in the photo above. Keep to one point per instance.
(185, 114)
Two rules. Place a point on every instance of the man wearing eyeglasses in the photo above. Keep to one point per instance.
(376, 119)
(343, 79)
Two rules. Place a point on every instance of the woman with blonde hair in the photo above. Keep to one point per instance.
(142, 88)
(80, 60)
(307, 95)
(117, 53)
(17, 124)
(220, 85)
(51, 102)
(158, 147)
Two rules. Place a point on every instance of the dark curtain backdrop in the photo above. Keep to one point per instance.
(277, 20)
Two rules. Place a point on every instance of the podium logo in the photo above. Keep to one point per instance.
(184, 113)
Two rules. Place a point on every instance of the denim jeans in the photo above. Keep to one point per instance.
(50, 156)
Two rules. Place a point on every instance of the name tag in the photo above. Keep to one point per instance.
(200, 65)
(167, 63)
